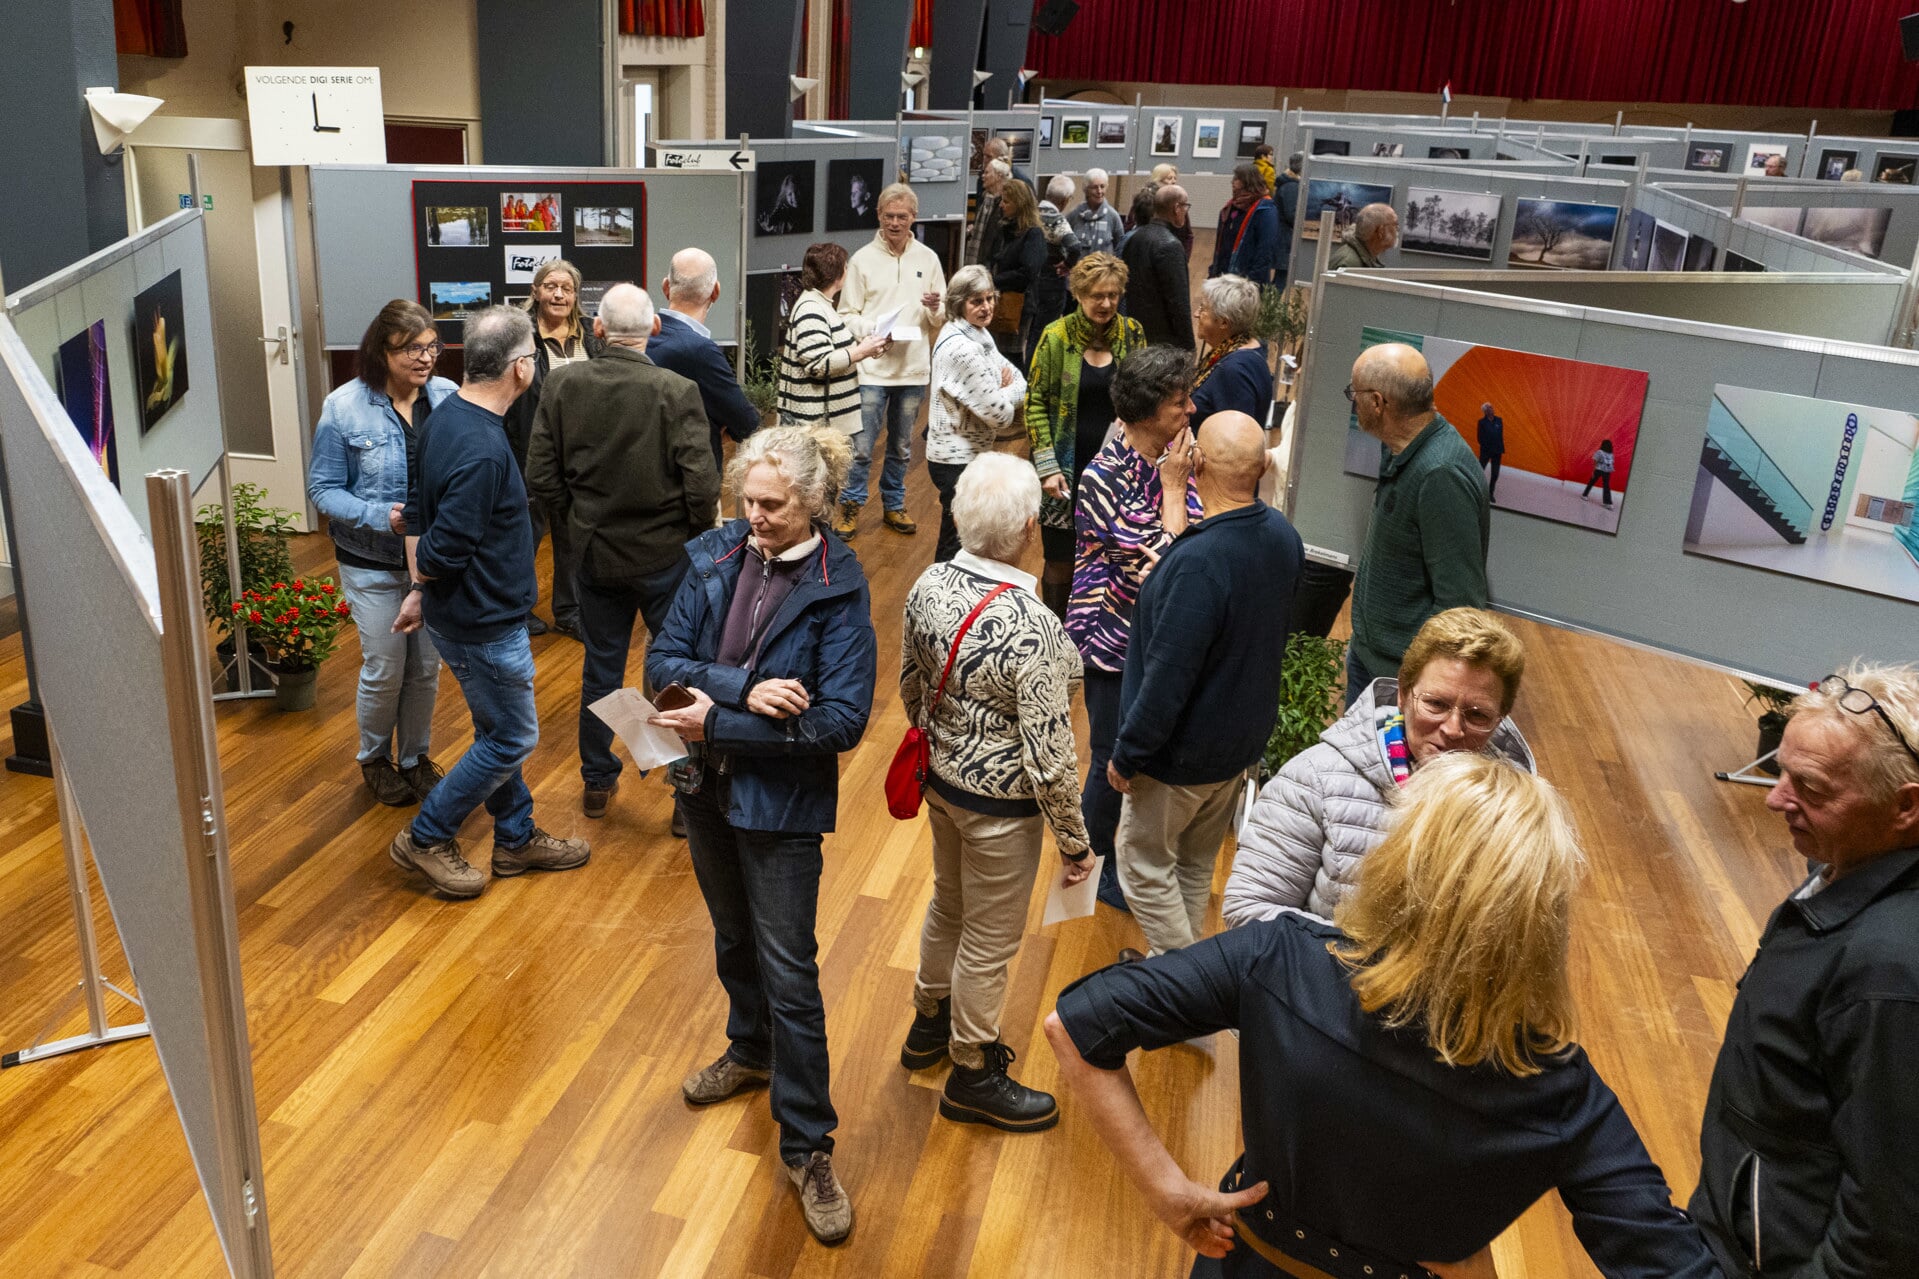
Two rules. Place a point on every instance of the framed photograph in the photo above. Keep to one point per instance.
(1252, 136)
(1760, 154)
(1046, 123)
(87, 395)
(1448, 153)
(1019, 145)
(1207, 139)
(160, 349)
(852, 194)
(523, 301)
(1738, 262)
(1562, 235)
(1639, 231)
(976, 157)
(1709, 157)
(1112, 131)
(1345, 199)
(452, 227)
(1833, 164)
(1389, 149)
(1332, 146)
(455, 300)
(1075, 132)
(1779, 217)
(783, 198)
(1627, 161)
(1861, 231)
(1896, 169)
(934, 157)
(530, 212)
(599, 225)
(1699, 254)
(1668, 247)
(1166, 133)
(522, 260)
(1456, 224)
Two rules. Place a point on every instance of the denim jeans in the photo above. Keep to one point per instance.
(762, 891)
(497, 679)
(1358, 678)
(1099, 803)
(892, 409)
(606, 625)
(399, 674)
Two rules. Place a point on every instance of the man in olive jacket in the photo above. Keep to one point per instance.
(621, 450)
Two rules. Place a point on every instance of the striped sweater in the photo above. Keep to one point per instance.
(818, 384)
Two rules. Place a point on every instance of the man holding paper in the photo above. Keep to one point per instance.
(893, 289)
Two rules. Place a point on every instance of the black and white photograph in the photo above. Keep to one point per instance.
(1895, 169)
(1458, 224)
(1623, 161)
(1700, 253)
(450, 227)
(1640, 226)
(1166, 131)
(1448, 153)
(853, 193)
(1861, 231)
(1019, 145)
(1389, 149)
(1834, 163)
(1075, 132)
(1252, 136)
(1563, 235)
(1709, 157)
(1112, 131)
(596, 225)
(1208, 139)
(522, 260)
(935, 157)
(1332, 146)
(783, 198)
(1668, 247)
(1046, 123)
(1737, 262)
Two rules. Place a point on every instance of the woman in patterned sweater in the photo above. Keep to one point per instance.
(977, 393)
(1004, 765)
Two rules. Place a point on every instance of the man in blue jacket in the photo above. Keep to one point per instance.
(472, 586)
(1201, 684)
(684, 345)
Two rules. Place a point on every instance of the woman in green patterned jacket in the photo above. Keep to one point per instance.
(1069, 405)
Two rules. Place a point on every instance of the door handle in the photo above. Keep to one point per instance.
(284, 340)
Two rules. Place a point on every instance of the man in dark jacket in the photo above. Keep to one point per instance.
(473, 584)
(620, 451)
(684, 345)
(1286, 196)
(1807, 1151)
(1200, 688)
(1492, 447)
(1158, 294)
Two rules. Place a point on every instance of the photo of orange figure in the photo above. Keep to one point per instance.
(1557, 412)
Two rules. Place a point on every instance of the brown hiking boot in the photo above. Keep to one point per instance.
(848, 523)
(823, 1200)
(900, 522)
(542, 852)
(441, 863)
(422, 777)
(721, 1080)
(594, 799)
(387, 783)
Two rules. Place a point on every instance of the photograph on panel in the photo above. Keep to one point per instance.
(1075, 131)
(1766, 159)
(1448, 153)
(86, 394)
(935, 157)
(160, 348)
(1047, 124)
(1252, 136)
(525, 212)
(457, 299)
(1332, 146)
(1391, 150)
(1639, 233)
(1816, 488)
(1019, 145)
(1112, 130)
(1835, 164)
(1668, 246)
(1166, 134)
(1554, 437)
(1563, 235)
(1459, 224)
(456, 227)
(853, 193)
(783, 198)
(602, 225)
(1345, 199)
(1208, 138)
(1709, 157)
(1896, 169)
(1700, 254)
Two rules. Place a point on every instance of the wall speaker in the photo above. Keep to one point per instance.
(1909, 36)
(1054, 15)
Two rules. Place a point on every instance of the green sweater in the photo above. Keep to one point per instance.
(1426, 547)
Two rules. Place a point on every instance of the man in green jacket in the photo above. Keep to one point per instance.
(1426, 546)
(1375, 231)
(622, 451)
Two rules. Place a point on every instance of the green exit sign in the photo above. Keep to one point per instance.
(206, 201)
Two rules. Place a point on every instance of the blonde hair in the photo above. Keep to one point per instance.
(1883, 765)
(1473, 636)
(1164, 173)
(1095, 269)
(558, 266)
(1025, 214)
(813, 460)
(1460, 922)
(898, 191)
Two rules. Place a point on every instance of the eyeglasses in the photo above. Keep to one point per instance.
(1860, 702)
(1476, 718)
(1352, 394)
(419, 351)
(530, 355)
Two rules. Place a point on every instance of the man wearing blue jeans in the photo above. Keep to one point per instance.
(472, 585)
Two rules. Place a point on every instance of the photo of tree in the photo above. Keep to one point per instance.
(1561, 235)
(1345, 199)
(1459, 224)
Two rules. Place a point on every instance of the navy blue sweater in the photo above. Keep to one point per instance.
(679, 348)
(1240, 381)
(1201, 687)
(476, 542)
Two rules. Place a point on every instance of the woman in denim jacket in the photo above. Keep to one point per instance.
(363, 451)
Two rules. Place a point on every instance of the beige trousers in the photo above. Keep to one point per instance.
(983, 869)
(1167, 843)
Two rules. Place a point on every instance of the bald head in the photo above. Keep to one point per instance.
(692, 278)
(626, 315)
(1392, 393)
(1233, 445)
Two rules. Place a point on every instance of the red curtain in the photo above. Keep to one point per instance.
(684, 18)
(151, 27)
(1803, 53)
(922, 23)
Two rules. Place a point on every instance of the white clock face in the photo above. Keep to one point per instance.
(316, 115)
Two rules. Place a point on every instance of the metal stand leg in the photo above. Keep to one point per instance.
(240, 671)
(1749, 774)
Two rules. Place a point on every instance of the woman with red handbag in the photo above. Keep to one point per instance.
(988, 676)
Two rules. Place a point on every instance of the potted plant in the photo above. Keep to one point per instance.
(1282, 322)
(1310, 681)
(266, 555)
(759, 376)
(297, 623)
(1773, 703)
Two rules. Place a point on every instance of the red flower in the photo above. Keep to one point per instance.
(279, 586)
(299, 584)
(326, 588)
(254, 616)
(295, 631)
(236, 606)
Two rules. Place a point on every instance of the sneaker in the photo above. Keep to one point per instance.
(422, 776)
(823, 1200)
(992, 1097)
(441, 863)
(593, 801)
(536, 625)
(848, 523)
(387, 783)
(900, 522)
(542, 852)
(927, 1038)
(721, 1080)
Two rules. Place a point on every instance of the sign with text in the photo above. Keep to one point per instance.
(731, 160)
(316, 115)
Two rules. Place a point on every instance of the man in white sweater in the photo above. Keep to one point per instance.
(892, 285)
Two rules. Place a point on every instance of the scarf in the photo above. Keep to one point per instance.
(1215, 354)
(1390, 727)
(1079, 334)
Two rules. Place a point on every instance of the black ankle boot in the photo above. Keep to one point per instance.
(990, 1096)
(926, 1040)
(1056, 595)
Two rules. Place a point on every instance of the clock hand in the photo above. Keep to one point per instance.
(317, 126)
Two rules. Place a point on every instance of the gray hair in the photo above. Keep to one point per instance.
(996, 498)
(493, 337)
(1883, 765)
(1294, 160)
(1370, 219)
(1406, 393)
(999, 168)
(812, 460)
(1060, 190)
(627, 312)
(1233, 300)
(693, 281)
(1095, 175)
(967, 283)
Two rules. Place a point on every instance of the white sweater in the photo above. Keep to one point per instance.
(878, 282)
(970, 408)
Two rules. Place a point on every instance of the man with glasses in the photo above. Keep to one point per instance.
(1809, 1152)
(1425, 548)
(472, 551)
(1158, 292)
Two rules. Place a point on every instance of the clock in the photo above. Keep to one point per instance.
(316, 115)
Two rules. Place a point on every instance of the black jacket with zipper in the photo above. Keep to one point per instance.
(1809, 1152)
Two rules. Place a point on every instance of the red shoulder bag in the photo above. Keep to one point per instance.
(906, 778)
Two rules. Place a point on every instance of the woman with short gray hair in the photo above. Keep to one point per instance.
(1004, 766)
(977, 394)
(1233, 373)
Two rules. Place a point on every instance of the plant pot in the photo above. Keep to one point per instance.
(296, 690)
(1772, 727)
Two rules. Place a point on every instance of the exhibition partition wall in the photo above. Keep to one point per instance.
(1077, 136)
(1879, 220)
(934, 153)
(1667, 230)
(809, 190)
(1880, 161)
(1761, 511)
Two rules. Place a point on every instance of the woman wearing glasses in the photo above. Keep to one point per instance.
(1327, 808)
(363, 451)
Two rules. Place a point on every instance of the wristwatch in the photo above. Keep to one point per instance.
(413, 586)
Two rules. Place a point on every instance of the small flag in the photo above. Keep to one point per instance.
(1446, 93)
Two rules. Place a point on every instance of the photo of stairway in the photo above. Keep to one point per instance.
(1814, 488)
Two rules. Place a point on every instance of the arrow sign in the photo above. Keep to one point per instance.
(728, 161)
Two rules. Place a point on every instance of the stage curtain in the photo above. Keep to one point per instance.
(155, 28)
(922, 23)
(1802, 53)
(681, 18)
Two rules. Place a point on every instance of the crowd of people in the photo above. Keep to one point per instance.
(1397, 917)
